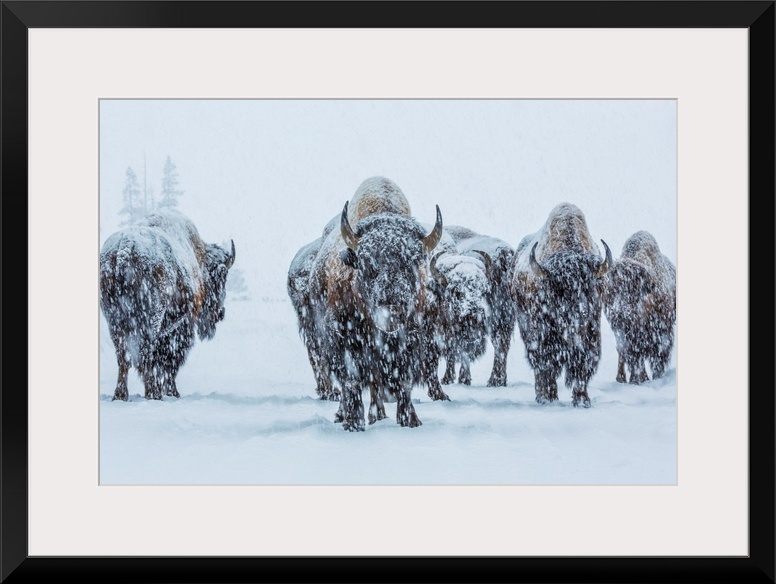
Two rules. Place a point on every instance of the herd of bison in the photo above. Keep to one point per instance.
(381, 298)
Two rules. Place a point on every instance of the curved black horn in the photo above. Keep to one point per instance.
(431, 240)
(347, 232)
(535, 266)
(486, 260)
(608, 261)
(435, 273)
(230, 259)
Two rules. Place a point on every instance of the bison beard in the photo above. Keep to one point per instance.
(160, 285)
(376, 323)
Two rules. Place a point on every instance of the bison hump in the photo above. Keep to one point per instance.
(375, 195)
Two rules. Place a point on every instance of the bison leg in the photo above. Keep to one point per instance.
(449, 376)
(465, 374)
(122, 358)
(621, 378)
(376, 405)
(546, 385)
(435, 390)
(638, 371)
(171, 389)
(498, 376)
(405, 410)
(153, 389)
(324, 387)
(579, 395)
(122, 392)
(659, 363)
(352, 407)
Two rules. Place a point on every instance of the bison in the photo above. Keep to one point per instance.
(160, 284)
(557, 285)
(462, 287)
(370, 277)
(640, 305)
(298, 287)
(498, 257)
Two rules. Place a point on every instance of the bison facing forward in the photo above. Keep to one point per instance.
(160, 284)
(461, 284)
(371, 278)
(498, 257)
(640, 305)
(558, 285)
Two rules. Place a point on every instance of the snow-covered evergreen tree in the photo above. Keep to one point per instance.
(133, 203)
(170, 191)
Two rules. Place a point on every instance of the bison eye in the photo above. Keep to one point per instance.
(348, 257)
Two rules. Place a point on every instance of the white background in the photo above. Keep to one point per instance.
(705, 70)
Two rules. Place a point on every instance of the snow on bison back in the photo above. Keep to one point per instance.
(159, 285)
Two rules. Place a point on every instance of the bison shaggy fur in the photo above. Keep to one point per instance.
(160, 285)
(640, 305)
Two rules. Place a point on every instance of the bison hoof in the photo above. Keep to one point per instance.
(620, 379)
(438, 395)
(497, 382)
(173, 393)
(585, 401)
(121, 396)
(465, 382)
(353, 425)
(412, 422)
(447, 380)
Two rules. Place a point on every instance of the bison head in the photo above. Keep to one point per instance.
(387, 252)
(571, 287)
(217, 264)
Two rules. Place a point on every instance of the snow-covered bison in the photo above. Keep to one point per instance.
(640, 305)
(159, 285)
(557, 285)
(298, 287)
(497, 257)
(371, 278)
(461, 284)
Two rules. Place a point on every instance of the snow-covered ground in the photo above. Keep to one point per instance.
(248, 414)
(270, 174)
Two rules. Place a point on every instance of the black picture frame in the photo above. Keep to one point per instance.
(756, 16)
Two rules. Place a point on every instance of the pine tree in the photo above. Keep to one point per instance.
(170, 191)
(133, 205)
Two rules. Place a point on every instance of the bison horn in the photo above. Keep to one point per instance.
(486, 260)
(607, 263)
(351, 240)
(535, 266)
(230, 259)
(435, 273)
(431, 240)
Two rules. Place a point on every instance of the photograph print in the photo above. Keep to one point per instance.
(387, 292)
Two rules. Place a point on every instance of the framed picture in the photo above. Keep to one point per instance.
(654, 115)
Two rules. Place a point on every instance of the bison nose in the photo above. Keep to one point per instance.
(221, 314)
